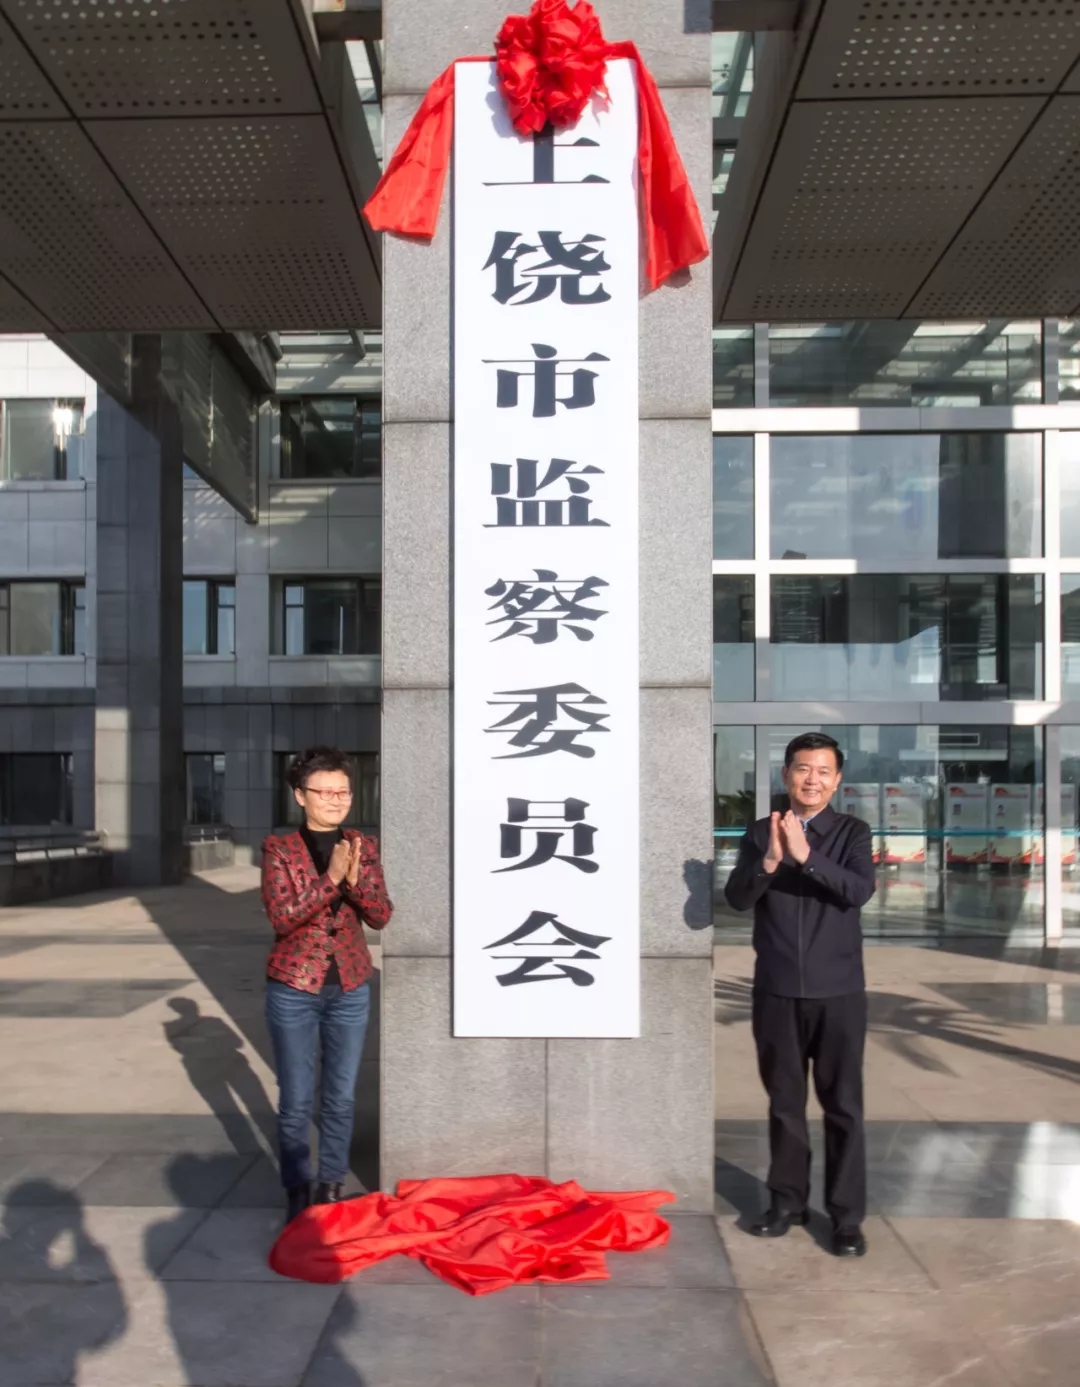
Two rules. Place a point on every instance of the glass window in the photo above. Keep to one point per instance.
(364, 774)
(733, 809)
(733, 367)
(35, 790)
(75, 636)
(1069, 470)
(209, 616)
(733, 638)
(957, 819)
(927, 637)
(1070, 819)
(42, 619)
(365, 58)
(905, 363)
(35, 624)
(733, 497)
(732, 72)
(41, 440)
(1070, 635)
(328, 616)
(906, 497)
(205, 789)
(196, 624)
(1069, 360)
(327, 436)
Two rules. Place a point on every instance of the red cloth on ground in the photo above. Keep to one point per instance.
(481, 1234)
(407, 196)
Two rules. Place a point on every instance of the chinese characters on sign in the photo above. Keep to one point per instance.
(546, 272)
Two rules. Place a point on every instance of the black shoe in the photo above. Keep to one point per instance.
(848, 1242)
(297, 1198)
(775, 1223)
(328, 1193)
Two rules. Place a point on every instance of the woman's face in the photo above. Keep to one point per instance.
(326, 798)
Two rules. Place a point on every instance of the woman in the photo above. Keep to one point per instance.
(320, 885)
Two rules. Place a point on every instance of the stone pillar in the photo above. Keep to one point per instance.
(629, 1113)
(138, 741)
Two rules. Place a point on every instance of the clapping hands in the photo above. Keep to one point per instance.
(346, 861)
(786, 837)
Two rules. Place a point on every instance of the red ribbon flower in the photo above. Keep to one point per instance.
(550, 62)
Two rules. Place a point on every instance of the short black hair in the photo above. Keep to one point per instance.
(814, 741)
(317, 758)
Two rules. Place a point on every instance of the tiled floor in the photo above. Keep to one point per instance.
(138, 1198)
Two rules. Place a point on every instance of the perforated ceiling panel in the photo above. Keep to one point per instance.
(876, 48)
(24, 92)
(255, 212)
(185, 57)
(71, 240)
(1020, 252)
(16, 315)
(861, 200)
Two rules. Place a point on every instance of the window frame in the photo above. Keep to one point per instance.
(362, 400)
(7, 791)
(69, 608)
(61, 469)
(215, 773)
(280, 607)
(212, 608)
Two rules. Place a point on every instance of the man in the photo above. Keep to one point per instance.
(807, 873)
(320, 886)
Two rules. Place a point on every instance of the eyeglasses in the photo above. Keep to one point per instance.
(330, 796)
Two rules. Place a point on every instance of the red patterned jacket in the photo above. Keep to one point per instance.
(298, 902)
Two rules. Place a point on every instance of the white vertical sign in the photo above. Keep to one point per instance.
(545, 567)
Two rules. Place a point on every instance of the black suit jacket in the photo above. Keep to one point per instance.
(807, 935)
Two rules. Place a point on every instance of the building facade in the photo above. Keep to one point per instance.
(896, 559)
(281, 617)
(895, 547)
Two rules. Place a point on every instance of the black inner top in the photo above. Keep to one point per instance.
(320, 844)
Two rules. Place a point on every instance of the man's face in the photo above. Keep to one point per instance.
(326, 798)
(811, 780)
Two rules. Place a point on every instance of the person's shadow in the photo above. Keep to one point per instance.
(213, 1057)
(42, 1339)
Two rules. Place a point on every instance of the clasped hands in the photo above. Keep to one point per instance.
(786, 835)
(346, 861)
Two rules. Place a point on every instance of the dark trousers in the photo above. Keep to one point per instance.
(304, 1028)
(829, 1033)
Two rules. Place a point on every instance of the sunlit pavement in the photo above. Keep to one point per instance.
(139, 1199)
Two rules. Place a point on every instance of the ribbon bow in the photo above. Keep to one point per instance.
(549, 64)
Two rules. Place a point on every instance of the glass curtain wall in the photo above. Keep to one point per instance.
(896, 560)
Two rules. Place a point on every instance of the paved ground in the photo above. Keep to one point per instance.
(138, 1199)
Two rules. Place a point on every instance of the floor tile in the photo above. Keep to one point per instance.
(1012, 1003)
(45, 1177)
(1030, 1326)
(620, 1337)
(868, 1339)
(693, 1257)
(258, 1188)
(964, 1254)
(231, 1245)
(802, 1259)
(429, 1335)
(187, 1180)
(96, 1244)
(48, 1331)
(215, 1335)
(962, 1192)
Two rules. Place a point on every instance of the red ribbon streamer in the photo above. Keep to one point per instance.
(481, 1234)
(549, 62)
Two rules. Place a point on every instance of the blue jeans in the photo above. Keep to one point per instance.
(303, 1026)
